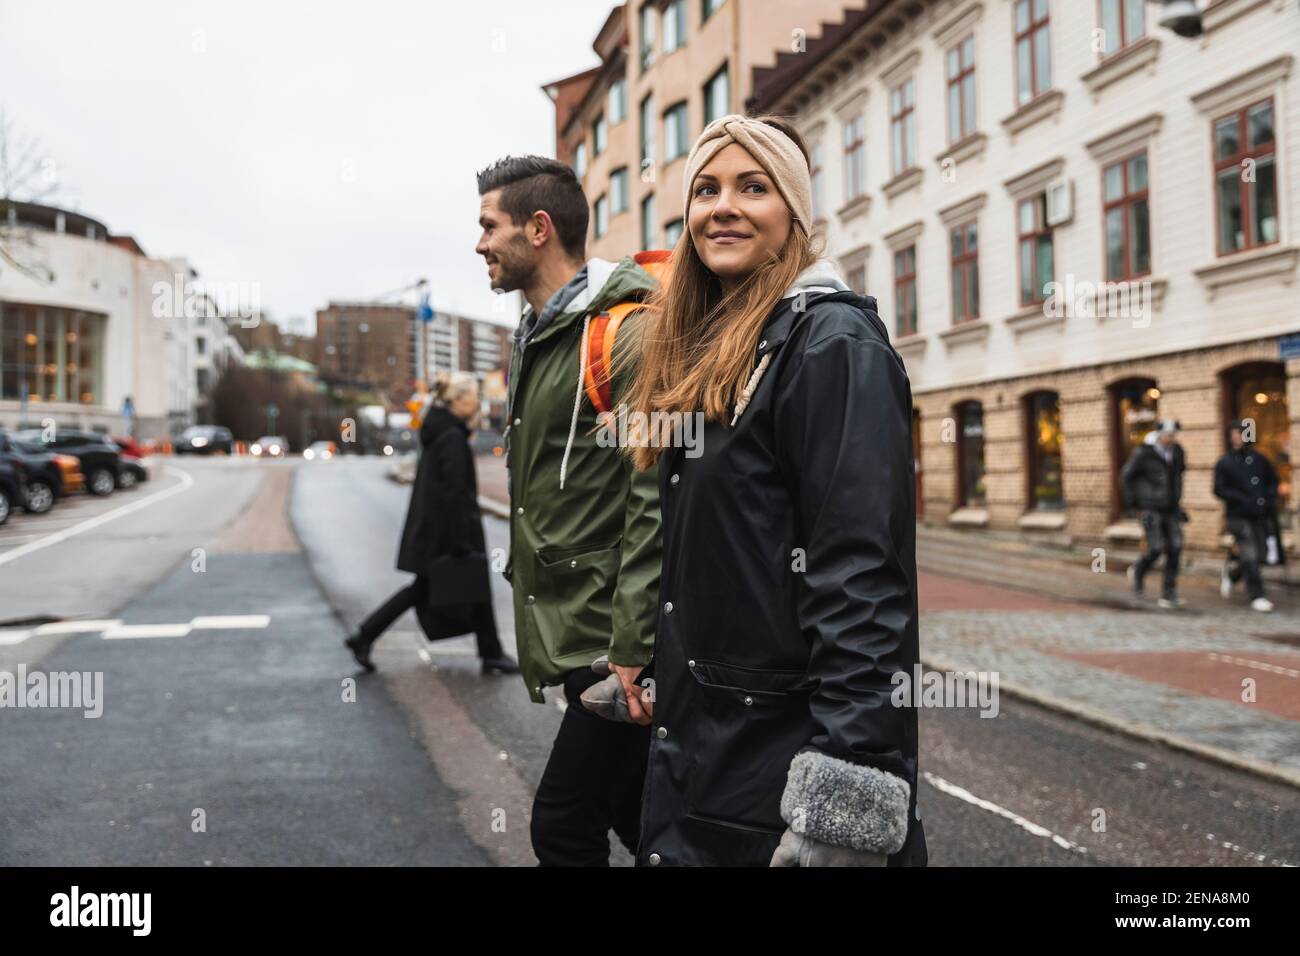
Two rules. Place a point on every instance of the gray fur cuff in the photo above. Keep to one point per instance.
(845, 804)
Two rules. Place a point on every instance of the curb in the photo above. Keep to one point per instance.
(494, 507)
(1131, 728)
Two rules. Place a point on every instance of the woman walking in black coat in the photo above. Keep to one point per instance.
(442, 541)
(788, 611)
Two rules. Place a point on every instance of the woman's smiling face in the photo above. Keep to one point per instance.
(737, 218)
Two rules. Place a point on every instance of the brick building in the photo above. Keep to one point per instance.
(1074, 222)
(367, 345)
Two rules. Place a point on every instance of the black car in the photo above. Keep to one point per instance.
(101, 460)
(45, 477)
(13, 484)
(204, 440)
(132, 472)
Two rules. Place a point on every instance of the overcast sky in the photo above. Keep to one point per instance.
(324, 149)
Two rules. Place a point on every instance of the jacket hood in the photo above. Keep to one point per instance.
(821, 276)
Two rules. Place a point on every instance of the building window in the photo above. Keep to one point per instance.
(1135, 405)
(965, 273)
(1043, 423)
(1257, 391)
(1246, 204)
(673, 231)
(905, 290)
(617, 101)
(961, 90)
(676, 132)
(1123, 23)
(970, 454)
(818, 174)
(1126, 218)
(647, 133)
(857, 279)
(601, 217)
(599, 135)
(902, 126)
(647, 44)
(1035, 245)
(648, 222)
(201, 345)
(855, 158)
(717, 96)
(674, 26)
(48, 354)
(618, 190)
(1033, 50)
(708, 8)
(580, 160)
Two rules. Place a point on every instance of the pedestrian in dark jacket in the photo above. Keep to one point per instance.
(1152, 481)
(1247, 483)
(788, 590)
(442, 540)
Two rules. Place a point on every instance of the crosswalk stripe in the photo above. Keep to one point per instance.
(231, 621)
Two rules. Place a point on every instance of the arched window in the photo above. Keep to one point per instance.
(1045, 491)
(1135, 408)
(970, 454)
(1257, 391)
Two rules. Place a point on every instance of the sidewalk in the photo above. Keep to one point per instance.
(1064, 636)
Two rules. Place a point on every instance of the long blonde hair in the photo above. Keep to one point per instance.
(697, 343)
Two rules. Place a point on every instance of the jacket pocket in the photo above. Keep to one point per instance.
(748, 726)
(573, 601)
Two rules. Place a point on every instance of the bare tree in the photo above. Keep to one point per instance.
(27, 174)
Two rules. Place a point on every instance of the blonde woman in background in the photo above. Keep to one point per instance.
(442, 541)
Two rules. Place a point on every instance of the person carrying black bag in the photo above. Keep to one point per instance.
(442, 541)
(1247, 483)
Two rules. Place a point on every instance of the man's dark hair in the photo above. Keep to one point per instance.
(532, 183)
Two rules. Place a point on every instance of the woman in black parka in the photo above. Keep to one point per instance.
(788, 595)
(442, 540)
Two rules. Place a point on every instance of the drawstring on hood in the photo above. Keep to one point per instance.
(821, 276)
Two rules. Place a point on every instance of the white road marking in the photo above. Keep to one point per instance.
(132, 631)
(90, 523)
(1256, 665)
(76, 627)
(961, 794)
(230, 621)
(14, 637)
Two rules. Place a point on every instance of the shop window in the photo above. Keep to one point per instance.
(1043, 437)
(970, 454)
(1135, 409)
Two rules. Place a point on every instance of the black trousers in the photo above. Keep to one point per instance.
(592, 784)
(416, 595)
(1252, 546)
(1164, 533)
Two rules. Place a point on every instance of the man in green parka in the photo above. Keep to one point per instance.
(584, 526)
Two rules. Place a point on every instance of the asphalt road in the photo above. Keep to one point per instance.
(248, 721)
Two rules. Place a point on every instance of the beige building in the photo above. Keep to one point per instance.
(1074, 222)
(666, 69)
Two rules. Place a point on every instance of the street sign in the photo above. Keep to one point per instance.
(1288, 346)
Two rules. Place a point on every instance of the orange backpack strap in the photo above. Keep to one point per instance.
(601, 334)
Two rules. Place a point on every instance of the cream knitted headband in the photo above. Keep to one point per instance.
(772, 149)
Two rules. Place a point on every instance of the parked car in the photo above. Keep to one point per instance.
(324, 450)
(49, 476)
(100, 459)
(13, 485)
(204, 440)
(130, 446)
(270, 446)
(132, 472)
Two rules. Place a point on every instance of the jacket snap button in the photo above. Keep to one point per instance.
(661, 733)
(1248, 459)
(674, 479)
(690, 663)
(530, 599)
(668, 607)
(573, 563)
(749, 701)
(518, 422)
(654, 859)
(1259, 501)
(519, 511)
(1254, 479)
(763, 344)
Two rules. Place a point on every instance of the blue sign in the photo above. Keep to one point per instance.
(426, 310)
(1288, 346)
